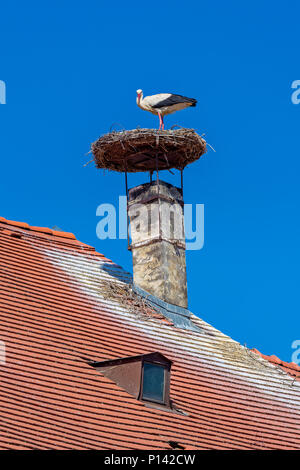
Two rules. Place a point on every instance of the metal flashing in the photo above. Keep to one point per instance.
(181, 317)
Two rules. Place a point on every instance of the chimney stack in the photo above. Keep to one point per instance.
(155, 209)
(158, 242)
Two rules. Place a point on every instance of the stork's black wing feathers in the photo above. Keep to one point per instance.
(175, 99)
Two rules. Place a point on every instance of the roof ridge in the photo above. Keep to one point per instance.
(295, 368)
(66, 237)
(48, 231)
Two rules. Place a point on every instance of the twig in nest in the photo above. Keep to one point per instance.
(210, 146)
(88, 162)
(112, 128)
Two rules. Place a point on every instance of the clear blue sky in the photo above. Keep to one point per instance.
(71, 70)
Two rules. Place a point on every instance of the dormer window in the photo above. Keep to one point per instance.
(154, 382)
(146, 377)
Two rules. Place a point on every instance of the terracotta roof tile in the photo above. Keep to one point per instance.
(289, 367)
(46, 230)
(62, 305)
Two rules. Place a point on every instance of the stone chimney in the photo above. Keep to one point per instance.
(158, 242)
(155, 210)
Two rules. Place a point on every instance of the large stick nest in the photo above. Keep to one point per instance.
(148, 149)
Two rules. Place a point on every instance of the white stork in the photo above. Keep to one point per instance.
(163, 103)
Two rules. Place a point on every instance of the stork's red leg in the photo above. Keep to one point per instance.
(162, 121)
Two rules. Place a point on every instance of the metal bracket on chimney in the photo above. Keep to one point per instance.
(180, 317)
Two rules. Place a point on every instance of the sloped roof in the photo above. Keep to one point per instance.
(290, 367)
(63, 305)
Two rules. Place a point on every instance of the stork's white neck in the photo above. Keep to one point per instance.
(139, 99)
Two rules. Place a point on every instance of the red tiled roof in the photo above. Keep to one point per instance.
(290, 367)
(46, 230)
(56, 316)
